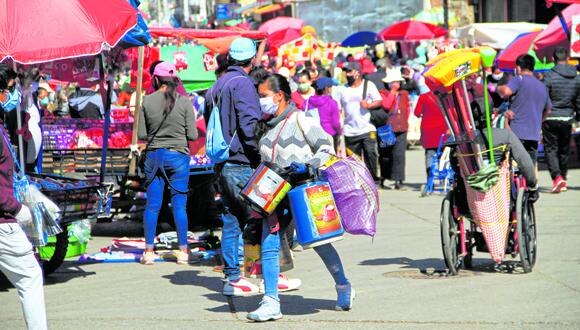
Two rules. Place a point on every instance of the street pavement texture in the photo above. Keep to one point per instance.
(398, 276)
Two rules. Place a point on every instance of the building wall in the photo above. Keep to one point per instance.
(334, 20)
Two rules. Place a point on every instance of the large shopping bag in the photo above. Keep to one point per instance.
(355, 194)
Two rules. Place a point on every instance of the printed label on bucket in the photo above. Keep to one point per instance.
(267, 190)
(323, 209)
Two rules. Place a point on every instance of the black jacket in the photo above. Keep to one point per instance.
(563, 84)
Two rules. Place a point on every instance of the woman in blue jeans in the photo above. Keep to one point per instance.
(289, 138)
(167, 123)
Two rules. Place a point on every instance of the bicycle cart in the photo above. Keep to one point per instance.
(488, 207)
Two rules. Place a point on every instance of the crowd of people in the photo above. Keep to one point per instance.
(293, 118)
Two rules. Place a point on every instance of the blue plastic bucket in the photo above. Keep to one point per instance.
(315, 214)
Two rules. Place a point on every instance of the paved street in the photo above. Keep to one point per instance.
(398, 277)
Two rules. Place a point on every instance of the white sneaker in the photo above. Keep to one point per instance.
(269, 310)
(240, 288)
(284, 284)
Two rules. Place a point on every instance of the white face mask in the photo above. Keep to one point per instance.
(268, 106)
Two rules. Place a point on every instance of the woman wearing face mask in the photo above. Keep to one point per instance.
(305, 90)
(396, 102)
(326, 108)
(167, 123)
(289, 138)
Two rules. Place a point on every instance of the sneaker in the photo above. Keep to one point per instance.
(269, 310)
(564, 187)
(345, 297)
(182, 258)
(284, 284)
(148, 258)
(558, 184)
(240, 288)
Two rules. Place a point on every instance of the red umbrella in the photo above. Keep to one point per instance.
(35, 31)
(521, 45)
(281, 23)
(554, 35)
(412, 30)
(281, 37)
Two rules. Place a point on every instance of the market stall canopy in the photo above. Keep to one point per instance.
(411, 30)
(495, 35)
(36, 31)
(362, 38)
(306, 48)
(281, 37)
(157, 32)
(554, 35)
(550, 2)
(506, 61)
(281, 23)
(139, 34)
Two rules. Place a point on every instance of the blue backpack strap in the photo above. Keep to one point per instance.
(9, 144)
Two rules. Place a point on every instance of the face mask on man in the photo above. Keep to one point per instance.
(13, 97)
(303, 88)
(268, 106)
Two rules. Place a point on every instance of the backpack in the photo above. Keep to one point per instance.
(215, 145)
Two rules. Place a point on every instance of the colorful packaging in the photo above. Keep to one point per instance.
(265, 189)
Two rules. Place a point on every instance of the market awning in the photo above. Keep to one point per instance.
(269, 9)
(495, 35)
(157, 32)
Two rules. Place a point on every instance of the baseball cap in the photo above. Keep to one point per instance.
(165, 69)
(323, 82)
(242, 49)
(350, 66)
(46, 86)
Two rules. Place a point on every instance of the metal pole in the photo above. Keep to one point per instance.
(19, 123)
(138, 91)
(446, 14)
(106, 96)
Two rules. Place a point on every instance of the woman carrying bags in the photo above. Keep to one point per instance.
(167, 123)
(396, 103)
(288, 138)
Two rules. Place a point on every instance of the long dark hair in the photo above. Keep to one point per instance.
(170, 93)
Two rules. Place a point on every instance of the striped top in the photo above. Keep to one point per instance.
(298, 138)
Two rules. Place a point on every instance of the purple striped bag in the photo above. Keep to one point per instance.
(355, 195)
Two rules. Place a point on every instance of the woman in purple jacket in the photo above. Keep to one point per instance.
(326, 107)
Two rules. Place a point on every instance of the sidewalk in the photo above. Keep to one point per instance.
(398, 276)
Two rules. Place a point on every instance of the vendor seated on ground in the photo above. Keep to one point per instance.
(86, 102)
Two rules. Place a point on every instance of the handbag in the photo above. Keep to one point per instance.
(386, 135)
(379, 117)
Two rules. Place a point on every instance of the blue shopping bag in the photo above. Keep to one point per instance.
(386, 135)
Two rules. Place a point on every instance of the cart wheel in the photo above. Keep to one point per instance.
(449, 236)
(526, 229)
(60, 248)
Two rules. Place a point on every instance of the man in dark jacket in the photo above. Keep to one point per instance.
(17, 259)
(563, 84)
(239, 105)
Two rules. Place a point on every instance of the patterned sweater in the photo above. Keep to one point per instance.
(297, 138)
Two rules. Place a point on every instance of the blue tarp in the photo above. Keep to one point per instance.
(139, 35)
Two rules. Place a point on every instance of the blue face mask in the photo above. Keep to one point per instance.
(11, 101)
(268, 106)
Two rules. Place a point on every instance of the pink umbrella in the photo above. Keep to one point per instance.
(281, 23)
(554, 35)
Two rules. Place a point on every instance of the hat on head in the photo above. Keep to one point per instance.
(393, 75)
(46, 86)
(284, 72)
(165, 69)
(350, 66)
(242, 49)
(323, 82)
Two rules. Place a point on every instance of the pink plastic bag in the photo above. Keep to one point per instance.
(355, 195)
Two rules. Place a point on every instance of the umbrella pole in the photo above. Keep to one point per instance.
(139, 90)
(106, 95)
(19, 125)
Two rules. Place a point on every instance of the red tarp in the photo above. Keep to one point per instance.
(157, 32)
(35, 31)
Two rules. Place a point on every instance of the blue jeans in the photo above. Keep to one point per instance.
(237, 214)
(332, 261)
(163, 167)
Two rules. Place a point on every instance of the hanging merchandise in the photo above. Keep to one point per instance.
(189, 60)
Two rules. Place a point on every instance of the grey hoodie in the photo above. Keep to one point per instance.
(563, 83)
